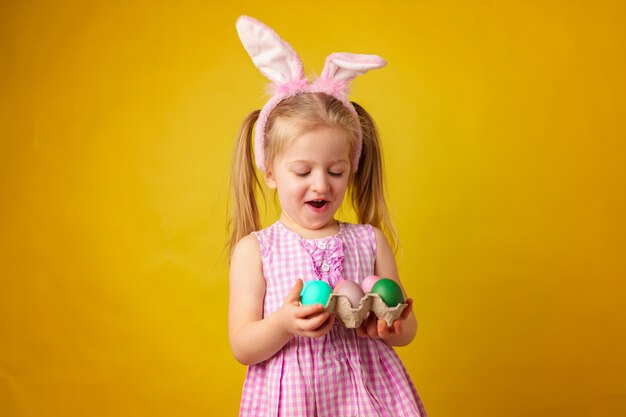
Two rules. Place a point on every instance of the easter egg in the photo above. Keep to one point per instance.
(351, 290)
(389, 291)
(315, 292)
(306, 284)
(369, 282)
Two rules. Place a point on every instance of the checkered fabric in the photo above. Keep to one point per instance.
(339, 374)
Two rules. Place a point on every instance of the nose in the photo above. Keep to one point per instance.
(320, 183)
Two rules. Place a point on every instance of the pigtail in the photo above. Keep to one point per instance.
(244, 213)
(368, 194)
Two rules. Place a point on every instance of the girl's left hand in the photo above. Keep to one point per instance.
(378, 329)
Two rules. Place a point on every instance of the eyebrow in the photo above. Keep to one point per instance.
(306, 161)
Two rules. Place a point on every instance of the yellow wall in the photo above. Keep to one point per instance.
(503, 127)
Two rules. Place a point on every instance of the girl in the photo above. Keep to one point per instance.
(312, 145)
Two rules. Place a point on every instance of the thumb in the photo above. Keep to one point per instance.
(294, 293)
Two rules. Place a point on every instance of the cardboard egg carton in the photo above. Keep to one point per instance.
(354, 317)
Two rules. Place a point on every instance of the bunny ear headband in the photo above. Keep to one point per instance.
(278, 61)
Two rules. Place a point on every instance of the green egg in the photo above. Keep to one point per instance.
(389, 291)
(315, 292)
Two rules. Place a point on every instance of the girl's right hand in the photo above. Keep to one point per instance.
(310, 320)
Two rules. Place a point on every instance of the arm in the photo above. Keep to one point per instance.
(253, 338)
(404, 329)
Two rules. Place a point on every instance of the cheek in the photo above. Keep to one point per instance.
(290, 189)
(341, 184)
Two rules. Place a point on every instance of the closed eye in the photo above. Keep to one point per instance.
(302, 174)
(335, 174)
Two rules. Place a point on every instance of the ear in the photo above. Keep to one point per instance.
(274, 57)
(344, 67)
(268, 176)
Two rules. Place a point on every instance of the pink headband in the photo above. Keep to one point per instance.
(277, 60)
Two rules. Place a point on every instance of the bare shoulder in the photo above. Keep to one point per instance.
(247, 249)
(385, 259)
(382, 244)
(245, 265)
(380, 236)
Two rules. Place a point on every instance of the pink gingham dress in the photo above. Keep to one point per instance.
(339, 374)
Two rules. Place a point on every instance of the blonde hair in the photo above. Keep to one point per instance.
(289, 119)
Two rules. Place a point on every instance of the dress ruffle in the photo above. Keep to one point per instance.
(326, 257)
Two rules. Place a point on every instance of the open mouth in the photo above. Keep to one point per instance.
(317, 203)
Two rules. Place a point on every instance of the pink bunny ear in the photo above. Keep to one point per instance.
(344, 67)
(274, 57)
(278, 61)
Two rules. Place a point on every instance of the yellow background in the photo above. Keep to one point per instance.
(503, 128)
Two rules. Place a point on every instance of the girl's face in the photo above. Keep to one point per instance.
(311, 176)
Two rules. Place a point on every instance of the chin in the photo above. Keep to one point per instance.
(321, 224)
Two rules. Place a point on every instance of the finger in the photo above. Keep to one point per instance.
(408, 309)
(372, 330)
(321, 330)
(294, 293)
(361, 331)
(308, 310)
(397, 327)
(383, 330)
(314, 322)
(325, 328)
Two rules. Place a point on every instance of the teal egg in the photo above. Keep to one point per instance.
(315, 292)
(389, 291)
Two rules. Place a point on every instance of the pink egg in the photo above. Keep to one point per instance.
(351, 290)
(369, 282)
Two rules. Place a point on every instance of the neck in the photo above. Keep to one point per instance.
(330, 229)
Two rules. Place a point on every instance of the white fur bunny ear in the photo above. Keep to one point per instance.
(278, 61)
(274, 57)
(344, 67)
